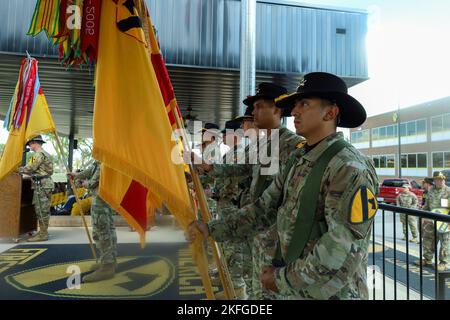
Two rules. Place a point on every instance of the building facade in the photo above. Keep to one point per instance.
(424, 144)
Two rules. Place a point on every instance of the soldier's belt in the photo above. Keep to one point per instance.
(39, 178)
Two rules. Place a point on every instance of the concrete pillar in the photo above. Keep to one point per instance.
(248, 51)
(71, 147)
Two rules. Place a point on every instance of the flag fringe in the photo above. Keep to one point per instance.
(158, 191)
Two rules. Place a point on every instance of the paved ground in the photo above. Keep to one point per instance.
(168, 234)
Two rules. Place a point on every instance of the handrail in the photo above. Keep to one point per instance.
(415, 212)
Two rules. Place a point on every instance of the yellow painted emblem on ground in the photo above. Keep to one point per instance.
(364, 205)
(137, 277)
(377, 249)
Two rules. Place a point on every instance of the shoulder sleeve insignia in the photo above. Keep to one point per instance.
(364, 205)
(300, 144)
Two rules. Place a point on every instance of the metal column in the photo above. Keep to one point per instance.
(71, 147)
(248, 51)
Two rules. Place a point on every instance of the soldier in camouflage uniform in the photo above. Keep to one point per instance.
(227, 192)
(208, 184)
(407, 199)
(331, 262)
(427, 184)
(40, 169)
(266, 116)
(245, 197)
(104, 231)
(438, 192)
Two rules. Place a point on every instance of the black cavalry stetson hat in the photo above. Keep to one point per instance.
(267, 90)
(36, 139)
(247, 115)
(327, 86)
(231, 125)
(210, 126)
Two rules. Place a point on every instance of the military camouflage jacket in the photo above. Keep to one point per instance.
(434, 197)
(92, 173)
(288, 143)
(407, 200)
(227, 187)
(334, 265)
(41, 166)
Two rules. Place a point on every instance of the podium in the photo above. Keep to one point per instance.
(17, 215)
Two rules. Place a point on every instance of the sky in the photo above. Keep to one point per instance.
(408, 52)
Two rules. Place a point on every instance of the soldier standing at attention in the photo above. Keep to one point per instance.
(104, 231)
(322, 203)
(266, 116)
(40, 169)
(437, 193)
(407, 199)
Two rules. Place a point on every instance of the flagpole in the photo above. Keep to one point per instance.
(206, 215)
(74, 190)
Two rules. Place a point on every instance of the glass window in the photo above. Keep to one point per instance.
(354, 136)
(411, 128)
(394, 183)
(436, 124)
(390, 132)
(421, 127)
(382, 132)
(383, 162)
(412, 161)
(446, 122)
(375, 134)
(438, 160)
(365, 135)
(403, 129)
(376, 161)
(422, 160)
(390, 162)
(404, 161)
(447, 160)
(395, 131)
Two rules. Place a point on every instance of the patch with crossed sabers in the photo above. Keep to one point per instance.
(136, 277)
(364, 206)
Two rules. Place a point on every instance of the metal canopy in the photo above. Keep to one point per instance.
(200, 42)
(212, 94)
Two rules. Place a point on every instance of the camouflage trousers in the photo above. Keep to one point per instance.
(412, 223)
(247, 267)
(233, 252)
(263, 253)
(104, 231)
(429, 243)
(42, 199)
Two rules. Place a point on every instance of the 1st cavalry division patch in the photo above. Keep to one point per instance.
(364, 206)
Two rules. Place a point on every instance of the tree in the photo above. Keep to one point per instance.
(84, 149)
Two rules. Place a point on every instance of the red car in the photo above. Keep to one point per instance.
(391, 188)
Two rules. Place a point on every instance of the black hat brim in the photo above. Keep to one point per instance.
(250, 100)
(352, 113)
(41, 141)
(242, 118)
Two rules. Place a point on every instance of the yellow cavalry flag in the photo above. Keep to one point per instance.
(133, 124)
(27, 117)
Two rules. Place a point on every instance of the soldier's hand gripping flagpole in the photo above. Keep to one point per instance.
(59, 151)
(216, 248)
